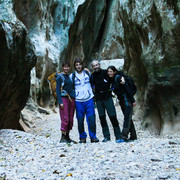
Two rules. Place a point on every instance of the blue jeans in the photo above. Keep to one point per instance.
(82, 109)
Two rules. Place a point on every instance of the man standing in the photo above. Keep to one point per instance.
(104, 101)
(84, 102)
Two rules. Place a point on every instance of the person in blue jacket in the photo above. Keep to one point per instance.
(66, 99)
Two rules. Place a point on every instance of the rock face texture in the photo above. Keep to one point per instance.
(17, 60)
(43, 25)
(88, 32)
(47, 23)
(152, 40)
(144, 33)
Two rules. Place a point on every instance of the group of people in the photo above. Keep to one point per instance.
(78, 90)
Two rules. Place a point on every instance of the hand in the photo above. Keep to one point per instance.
(87, 69)
(122, 81)
(134, 104)
(61, 106)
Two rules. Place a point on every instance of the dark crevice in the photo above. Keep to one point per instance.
(173, 4)
(131, 5)
(133, 49)
(175, 110)
(104, 27)
(84, 31)
(143, 33)
(155, 22)
(153, 109)
(74, 30)
(53, 9)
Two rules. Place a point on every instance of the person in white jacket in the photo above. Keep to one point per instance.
(84, 102)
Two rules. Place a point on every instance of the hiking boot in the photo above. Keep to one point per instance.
(70, 140)
(82, 140)
(96, 140)
(106, 140)
(64, 139)
(124, 137)
(120, 141)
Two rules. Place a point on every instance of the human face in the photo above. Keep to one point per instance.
(111, 73)
(78, 67)
(66, 69)
(95, 66)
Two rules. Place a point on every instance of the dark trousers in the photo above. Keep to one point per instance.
(128, 125)
(108, 105)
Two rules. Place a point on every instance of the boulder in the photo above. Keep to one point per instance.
(17, 60)
(118, 63)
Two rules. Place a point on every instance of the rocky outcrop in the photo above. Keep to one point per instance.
(146, 35)
(17, 60)
(152, 41)
(87, 33)
(118, 63)
(31, 114)
(96, 35)
(48, 23)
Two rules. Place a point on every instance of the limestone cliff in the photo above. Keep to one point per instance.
(17, 59)
(145, 33)
(152, 41)
(48, 23)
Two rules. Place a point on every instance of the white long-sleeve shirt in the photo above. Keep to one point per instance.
(83, 89)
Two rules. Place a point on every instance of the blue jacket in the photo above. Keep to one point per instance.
(63, 80)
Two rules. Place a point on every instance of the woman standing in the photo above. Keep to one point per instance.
(126, 101)
(66, 99)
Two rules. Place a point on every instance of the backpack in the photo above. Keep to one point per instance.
(73, 78)
(52, 83)
(131, 84)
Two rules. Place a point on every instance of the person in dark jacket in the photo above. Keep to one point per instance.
(66, 99)
(126, 101)
(104, 101)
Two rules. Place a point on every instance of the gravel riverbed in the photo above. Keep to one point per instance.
(39, 155)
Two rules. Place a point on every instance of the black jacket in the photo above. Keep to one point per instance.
(101, 85)
(123, 92)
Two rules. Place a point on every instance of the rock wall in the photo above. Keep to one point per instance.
(43, 25)
(17, 60)
(88, 31)
(144, 33)
(47, 23)
(152, 41)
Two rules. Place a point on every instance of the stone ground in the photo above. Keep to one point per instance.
(39, 155)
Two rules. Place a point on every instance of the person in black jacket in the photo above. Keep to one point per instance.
(126, 100)
(104, 101)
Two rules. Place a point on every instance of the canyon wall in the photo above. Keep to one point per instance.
(146, 34)
(17, 59)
